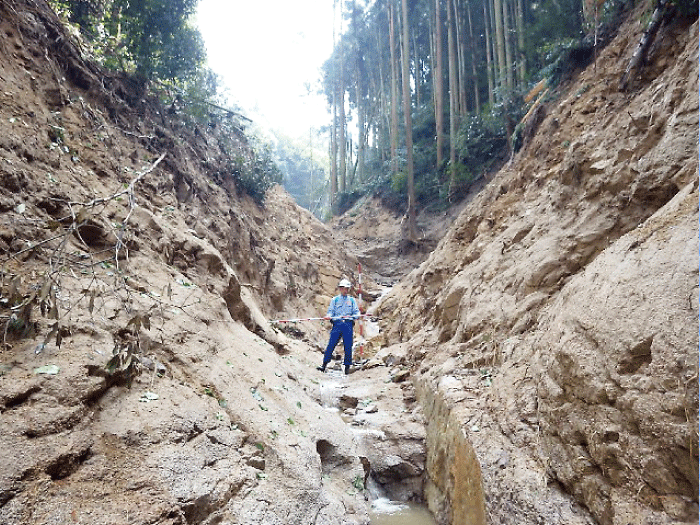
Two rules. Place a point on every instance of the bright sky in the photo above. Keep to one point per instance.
(266, 51)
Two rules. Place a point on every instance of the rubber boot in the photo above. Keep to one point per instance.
(322, 368)
(347, 369)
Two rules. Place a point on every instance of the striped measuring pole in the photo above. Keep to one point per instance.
(360, 349)
(300, 319)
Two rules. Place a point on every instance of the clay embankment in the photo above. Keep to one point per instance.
(557, 320)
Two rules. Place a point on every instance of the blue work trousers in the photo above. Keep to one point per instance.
(340, 329)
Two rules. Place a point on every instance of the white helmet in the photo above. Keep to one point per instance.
(344, 283)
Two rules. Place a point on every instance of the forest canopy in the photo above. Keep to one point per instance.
(154, 39)
(470, 63)
(474, 69)
(425, 96)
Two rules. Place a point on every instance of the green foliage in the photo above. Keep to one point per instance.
(564, 56)
(257, 175)
(345, 200)
(398, 182)
(152, 38)
(481, 139)
(358, 483)
(251, 168)
(549, 23)
(304, 168)
(459, 180)
(198, 90)
(427, 179)
(158, 36)
(517, 137)
(686, 8)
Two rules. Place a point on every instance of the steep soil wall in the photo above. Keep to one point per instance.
(563, 303)
(124, 241)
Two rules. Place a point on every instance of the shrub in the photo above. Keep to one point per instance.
(480, 141)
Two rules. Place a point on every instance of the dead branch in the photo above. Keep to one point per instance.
(129, 189)
(34, 246)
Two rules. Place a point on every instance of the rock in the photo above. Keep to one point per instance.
(256, 462)
(503, 460)
(373, 363)
(400, 376)
(154, 366)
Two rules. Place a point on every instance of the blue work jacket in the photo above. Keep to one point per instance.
(343, 307)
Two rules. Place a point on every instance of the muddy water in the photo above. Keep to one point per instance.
(386, 512)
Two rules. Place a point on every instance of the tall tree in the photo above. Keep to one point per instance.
(361, 126)
(520, 26)
(381, 90)
(472, 52)
(508, 44)
(465, 49)
(416, 70)
(439, 95)
(499, 44)
(359, 92)
(453, 85)
(334, 124)
(394, 133)
(489, 53)
(152, 38)
(334, 152)
(342, 141)
(460, 42)
(411, 213)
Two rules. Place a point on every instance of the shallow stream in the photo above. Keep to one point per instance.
(383, 510)
(387, 512)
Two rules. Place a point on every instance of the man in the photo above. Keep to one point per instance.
(342, 313)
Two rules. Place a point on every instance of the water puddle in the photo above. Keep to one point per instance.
(387, 512)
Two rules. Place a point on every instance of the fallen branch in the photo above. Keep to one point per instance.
(643, 47)
(533, 108)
